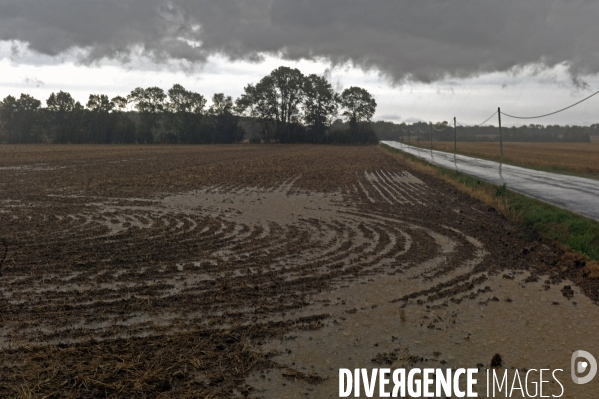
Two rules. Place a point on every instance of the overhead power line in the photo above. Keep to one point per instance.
(411, 132)
(486, 120)
(434, 128)
(445, 128)
(482, 123)
(551, 113)
(441, 130)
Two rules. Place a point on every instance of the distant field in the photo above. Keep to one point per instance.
(577, 158)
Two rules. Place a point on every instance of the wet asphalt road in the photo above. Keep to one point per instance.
(575, 194)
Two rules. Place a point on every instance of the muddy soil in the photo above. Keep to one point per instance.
(259, 271)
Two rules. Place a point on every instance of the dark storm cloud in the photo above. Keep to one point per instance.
(424, 39)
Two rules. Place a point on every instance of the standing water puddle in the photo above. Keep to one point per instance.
(530, 327)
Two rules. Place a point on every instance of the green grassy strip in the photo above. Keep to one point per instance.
(574, 231)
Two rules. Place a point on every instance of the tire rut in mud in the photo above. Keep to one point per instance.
(138, 281)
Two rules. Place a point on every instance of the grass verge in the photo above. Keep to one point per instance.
(565, 228)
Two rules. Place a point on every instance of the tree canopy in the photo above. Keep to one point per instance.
(292, 107)
(284, 106)
(358, 104)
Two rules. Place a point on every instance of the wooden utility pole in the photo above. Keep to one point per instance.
(455, 136)
(431, 135)
(500, 136)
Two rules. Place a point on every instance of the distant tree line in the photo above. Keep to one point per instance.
(530, 133)
(284, 106)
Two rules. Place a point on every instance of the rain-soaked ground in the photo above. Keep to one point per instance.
(259, 271)
(576, 194)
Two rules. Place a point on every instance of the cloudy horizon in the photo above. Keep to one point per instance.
(428, 61)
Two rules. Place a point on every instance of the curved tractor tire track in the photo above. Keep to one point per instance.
(246, 245)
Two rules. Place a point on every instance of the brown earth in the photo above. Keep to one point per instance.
(232, 271)
(577, 158)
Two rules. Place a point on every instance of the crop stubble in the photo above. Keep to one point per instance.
(192, 271)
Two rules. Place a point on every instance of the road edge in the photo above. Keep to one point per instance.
(575, 234)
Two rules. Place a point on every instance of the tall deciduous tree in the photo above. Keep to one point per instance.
(259, 102)
(288, 85)
(358, 104)
(19, 118)
(120, 103)
(150, 103)
(125, 131)
(224, 121)
(65, 115)
(102, 124)
(321, 105)
(8, 110)
(275, 100)
(185, 112)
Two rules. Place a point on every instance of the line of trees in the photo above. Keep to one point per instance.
(284, 106)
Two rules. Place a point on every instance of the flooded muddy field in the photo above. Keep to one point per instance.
(259, 271)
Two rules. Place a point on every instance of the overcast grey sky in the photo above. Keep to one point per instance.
(423, 60)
